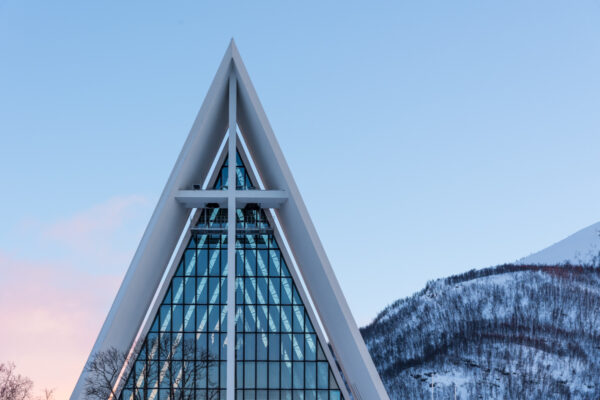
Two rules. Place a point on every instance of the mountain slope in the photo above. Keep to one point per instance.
(581, 248)
(514, 331)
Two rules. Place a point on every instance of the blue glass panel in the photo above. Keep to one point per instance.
(308, 325)
(274, 262)
(154, 327)
(286, 291)
(223, 320)
(274, 318)
(275, 291)
(165, 317)
(190, 262)
(250, 263)
(274, 369)
(298, 323)
(322, 375)
(262, 268)
(298, 375)
(214, 345)
(239, 376)
(310, 349)
(286, 375)
(286, 347)
(249, 346)
(190, 290)
(249, 374)
(250, 318)
(239, 319)
(262, 319)
(223, 378)
(239, 290)
(262, 342)
(224, 262)
(201, 318)
(239, 262)
(177, 290)
(297, 299)
(239, 347)
(213, 318)
(214, 285)
(214, 266)
(223, 290)
(177, 318)
(284, 269)
(250, 290)
(298, 346)
(310, 371)
(213, 374)
(202, 266)
(262, 290)
(286, 318)
(274, 350)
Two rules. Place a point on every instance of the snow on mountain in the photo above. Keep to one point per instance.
(581, 248)
(508, 332)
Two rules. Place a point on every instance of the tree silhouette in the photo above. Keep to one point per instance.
(180, 365)
(12, 385)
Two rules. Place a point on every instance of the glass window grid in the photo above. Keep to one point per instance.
(176, 344)
(299, 374)
(286, 306)
(243, 181)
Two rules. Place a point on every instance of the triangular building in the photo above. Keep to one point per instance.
(230, 294)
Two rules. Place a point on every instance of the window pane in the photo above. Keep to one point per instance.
(261, 375)
(286, 291)
(249, 374)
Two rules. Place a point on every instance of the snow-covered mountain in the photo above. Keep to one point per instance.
(581, 248)
(508, 332)
(529, 330)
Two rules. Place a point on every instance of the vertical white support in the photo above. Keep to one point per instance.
(231, 223)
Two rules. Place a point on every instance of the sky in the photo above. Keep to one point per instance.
(427, 138)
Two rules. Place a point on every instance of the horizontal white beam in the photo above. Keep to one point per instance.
(265, 198)
(200, 198)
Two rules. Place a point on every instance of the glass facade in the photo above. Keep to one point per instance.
(278, 354)
(184, 353)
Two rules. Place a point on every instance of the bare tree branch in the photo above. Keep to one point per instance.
(13, 386)
(180, 365)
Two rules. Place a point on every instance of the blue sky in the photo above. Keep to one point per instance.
(427, 138)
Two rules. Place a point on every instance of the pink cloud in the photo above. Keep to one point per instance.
(98, 232)
(50, 315)
(51, 310)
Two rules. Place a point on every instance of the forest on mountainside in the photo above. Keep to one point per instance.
(512, 331)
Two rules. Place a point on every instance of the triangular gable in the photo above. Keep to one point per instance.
(173, 210)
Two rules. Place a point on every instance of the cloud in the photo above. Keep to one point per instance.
(51, 310)
(103, 233)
